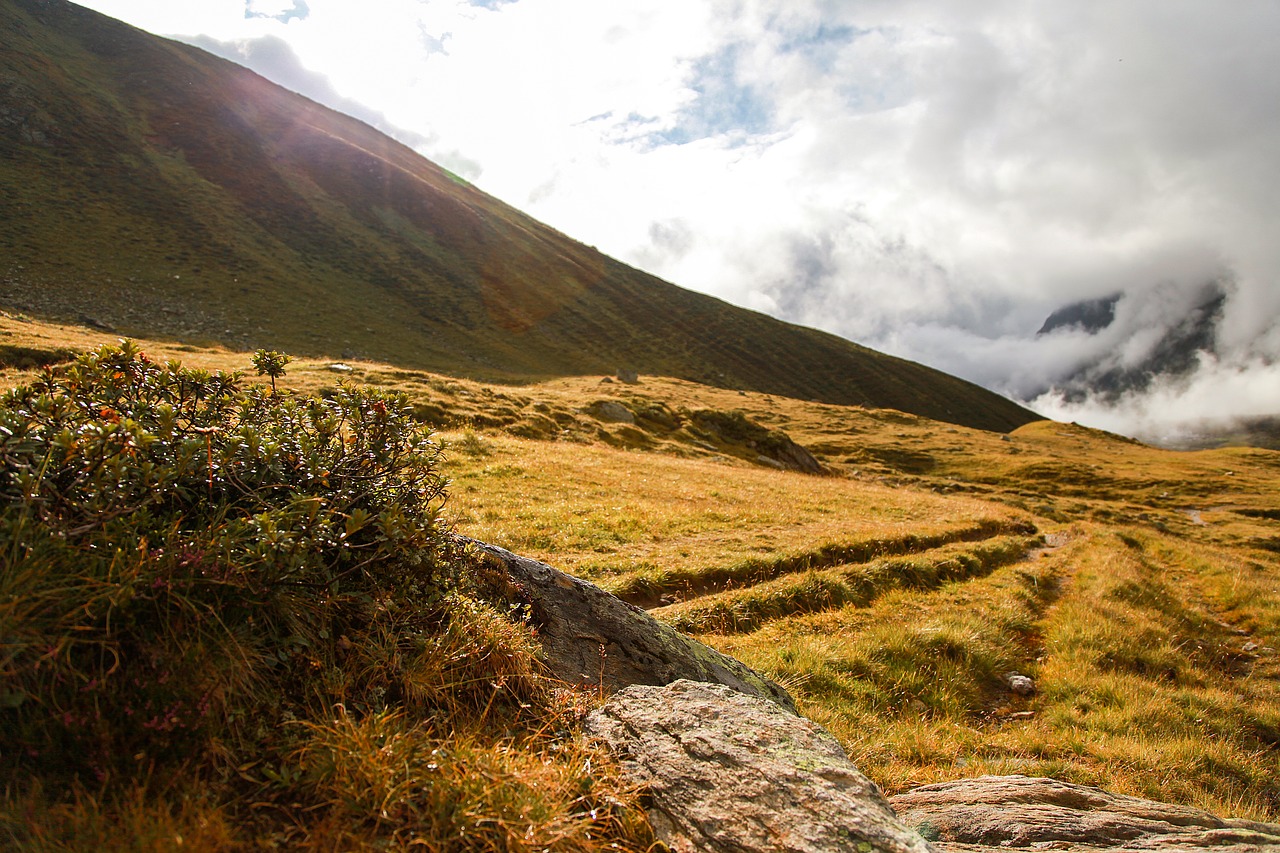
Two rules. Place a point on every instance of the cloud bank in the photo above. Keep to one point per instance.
(931, 178)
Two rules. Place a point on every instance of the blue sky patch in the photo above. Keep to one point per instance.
(299, 11)
(724, 105)
(823, 46)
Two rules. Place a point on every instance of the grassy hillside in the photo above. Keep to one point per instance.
(153, 189)
(1139, 588)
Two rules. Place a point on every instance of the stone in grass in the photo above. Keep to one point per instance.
(997, 813)
(611, 412)
(592, 638)
(724, 771)
(1019, 683)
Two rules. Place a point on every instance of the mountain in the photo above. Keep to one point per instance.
(1176, 336)
(151, 188)
(1089, 315)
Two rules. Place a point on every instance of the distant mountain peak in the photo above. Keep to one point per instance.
(1177, 336)
(1088, 315)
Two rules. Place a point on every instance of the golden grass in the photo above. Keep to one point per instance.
(859, 584)
(635, 521)
(1144, 686)
(1149, 615)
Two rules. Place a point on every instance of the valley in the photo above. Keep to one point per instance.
(894, 592)
(235, 616)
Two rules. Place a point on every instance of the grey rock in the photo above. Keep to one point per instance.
(728, 772)
(590, 637)
(992, 813)
(611, 411)
(795, 457)
(1020, 684)
(630, 377)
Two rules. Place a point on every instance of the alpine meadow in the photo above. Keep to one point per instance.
(273, 383)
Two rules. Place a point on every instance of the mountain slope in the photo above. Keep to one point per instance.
(152, 188)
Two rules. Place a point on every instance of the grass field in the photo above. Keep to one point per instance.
(1139, 588)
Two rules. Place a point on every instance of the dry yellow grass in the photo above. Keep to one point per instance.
(1150, 620)
(1137, 645)
(630, 519)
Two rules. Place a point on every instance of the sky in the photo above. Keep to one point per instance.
(930, 178)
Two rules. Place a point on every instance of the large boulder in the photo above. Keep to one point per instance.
(728, 772)
(590, 637)
(1019, 812)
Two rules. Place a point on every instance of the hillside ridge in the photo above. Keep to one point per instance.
(223, 208)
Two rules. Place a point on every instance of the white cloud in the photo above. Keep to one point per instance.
(1220, 394)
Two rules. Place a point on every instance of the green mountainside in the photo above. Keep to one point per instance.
(151, 188)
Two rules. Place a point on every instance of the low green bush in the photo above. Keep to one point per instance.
(232, 618)
(182, 555)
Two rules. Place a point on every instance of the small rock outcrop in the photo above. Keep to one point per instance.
(770, 446)
(993, 813)
(593, 638)
(794, 457)
(611, 411)
(729, 772)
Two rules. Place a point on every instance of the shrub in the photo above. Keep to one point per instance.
(179, 548)
(271, 364)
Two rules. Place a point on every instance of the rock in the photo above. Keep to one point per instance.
(735, 429)
(611, 412)
(95, 323)
(1019, 683)
(593, 638)
(1002, 812)
(339, 367)
(795, 457)
(629, 377)
(728, 772)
